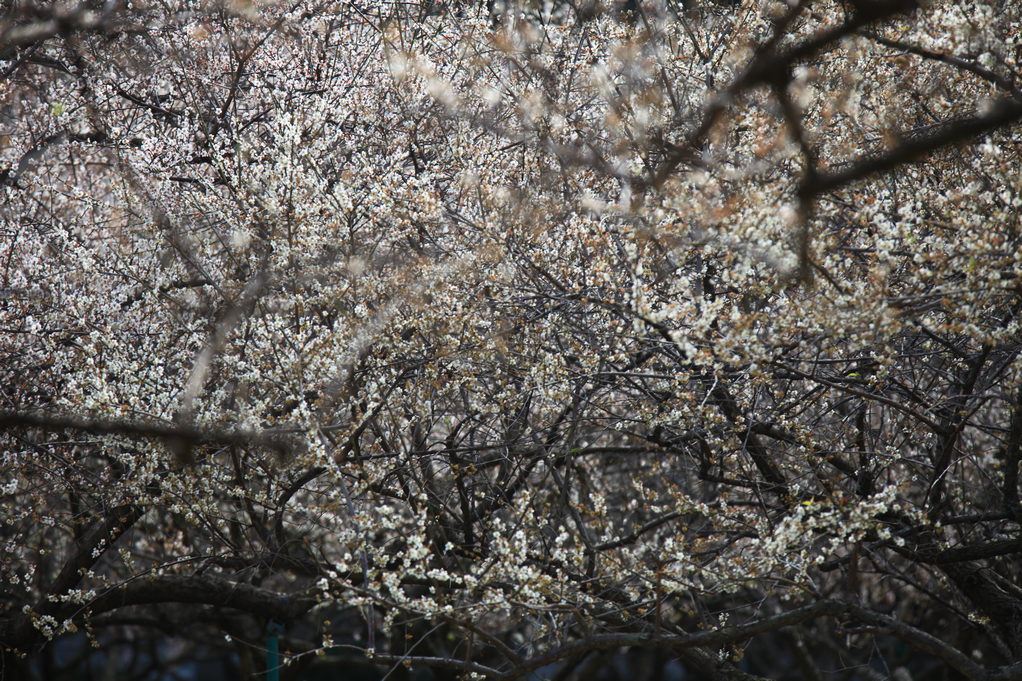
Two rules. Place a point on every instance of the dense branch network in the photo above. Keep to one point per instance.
(506, 339)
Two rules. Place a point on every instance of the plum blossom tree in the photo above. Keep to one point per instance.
(498, 339)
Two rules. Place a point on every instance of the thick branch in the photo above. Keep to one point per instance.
(714, 638)
(173, 434)
(920, 640)
(59, 23)
(204, 590)
(1002, 113)
(97, 541)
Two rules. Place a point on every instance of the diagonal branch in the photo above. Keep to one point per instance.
(986, 74)
(1002, 113)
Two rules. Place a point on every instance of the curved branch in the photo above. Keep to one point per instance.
(920, 640)
(714, 638)
(204, 590)
(440, 662)
(1003, 113)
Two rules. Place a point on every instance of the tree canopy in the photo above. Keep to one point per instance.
(496, 338)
